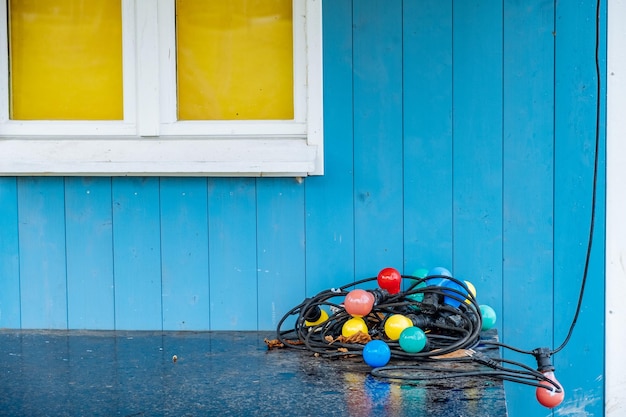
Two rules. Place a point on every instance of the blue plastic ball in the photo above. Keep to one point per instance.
(450, 298)
(376, 353)
(438, 270)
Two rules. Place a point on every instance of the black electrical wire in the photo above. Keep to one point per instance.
(526, 375)
(594, 186)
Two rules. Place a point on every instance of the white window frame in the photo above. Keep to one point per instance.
(150, 141)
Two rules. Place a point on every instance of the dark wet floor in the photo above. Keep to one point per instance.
(56, 373)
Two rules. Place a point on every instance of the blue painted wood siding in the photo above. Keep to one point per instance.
(457, 133)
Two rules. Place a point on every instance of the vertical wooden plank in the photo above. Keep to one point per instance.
(185, 255)
(137, 253)
(9, 255)
(280, 248)
(233, 254)
(580, 365)
(378, 136)
(528, 183)
(477, 147)
(89, 233)
(427, 78)
(41, 210)
(329, 198)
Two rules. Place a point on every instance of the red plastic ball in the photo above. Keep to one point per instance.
(390, 279)
(359, 303)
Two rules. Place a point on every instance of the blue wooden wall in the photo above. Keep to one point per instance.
(457, 133)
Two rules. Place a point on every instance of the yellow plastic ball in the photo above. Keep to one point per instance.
(472, 291)
(353, 326)
(395, 324)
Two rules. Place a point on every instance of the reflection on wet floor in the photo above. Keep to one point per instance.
(56, 373)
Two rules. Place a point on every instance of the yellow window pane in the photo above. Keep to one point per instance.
(234, 59)
(66, 59)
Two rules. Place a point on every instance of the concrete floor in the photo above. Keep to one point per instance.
(76, 373)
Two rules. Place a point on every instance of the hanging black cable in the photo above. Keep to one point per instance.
(594, 184)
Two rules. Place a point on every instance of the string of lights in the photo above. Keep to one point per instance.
(435, 320)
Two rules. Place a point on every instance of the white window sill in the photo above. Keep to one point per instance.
(174, 156)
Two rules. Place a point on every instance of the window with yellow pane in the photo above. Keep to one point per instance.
(65, 60)
(234, 59)
(248, 71)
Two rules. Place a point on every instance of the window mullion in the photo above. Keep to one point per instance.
(147, 67)
(129, 46)
(299, 60)
(167, 60)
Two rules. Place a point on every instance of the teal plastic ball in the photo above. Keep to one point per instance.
(420, 272)
(489, 316)
(418, 296)
(413, 340)
(376, 353)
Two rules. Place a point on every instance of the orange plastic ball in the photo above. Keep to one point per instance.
(549, 397)
(358, 303)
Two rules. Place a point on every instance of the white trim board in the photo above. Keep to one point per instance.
(176, 156)
(615, 360)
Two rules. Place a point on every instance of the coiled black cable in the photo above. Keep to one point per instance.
(449, 328)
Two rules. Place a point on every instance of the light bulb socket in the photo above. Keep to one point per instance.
(380, 295)
(430, 303)
(543, 355)
(443, 320)
(471, 313)
(313, 314)
(454, 320)
(420, 320)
